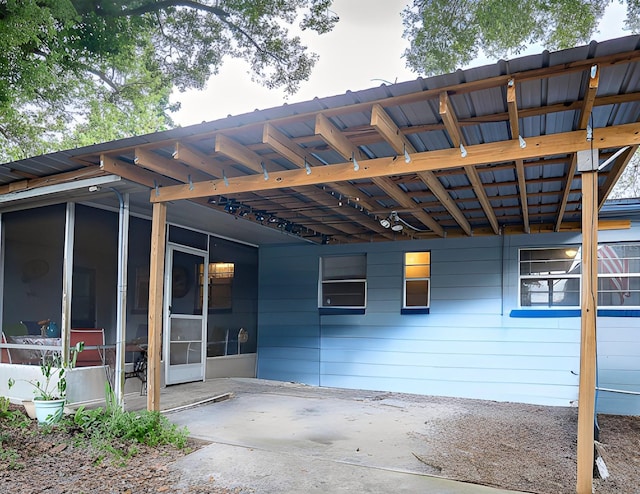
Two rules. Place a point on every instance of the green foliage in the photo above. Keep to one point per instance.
(77, 72)
(445, 35)
(53, 368)
(10, 457)
(115, 431)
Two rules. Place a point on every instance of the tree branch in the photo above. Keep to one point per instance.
(217, 11)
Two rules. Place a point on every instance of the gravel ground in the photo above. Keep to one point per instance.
(514, 446)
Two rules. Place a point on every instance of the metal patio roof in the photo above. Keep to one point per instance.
(481, 151)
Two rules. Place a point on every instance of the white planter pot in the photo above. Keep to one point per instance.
(30, 408)
(49, 412)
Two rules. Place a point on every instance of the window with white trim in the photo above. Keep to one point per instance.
(550, 277)
(417, 280)
(343, 281)
(619, 275)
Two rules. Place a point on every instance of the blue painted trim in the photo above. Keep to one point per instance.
(414, 310)
(541, 313)
(618, 313)
(340, 311)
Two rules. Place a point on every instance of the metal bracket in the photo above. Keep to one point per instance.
(587, 161)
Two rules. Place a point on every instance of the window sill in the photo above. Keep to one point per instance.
(414, 310)
(542, 313)
(338, 311)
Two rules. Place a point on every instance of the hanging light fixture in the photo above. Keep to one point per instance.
(392, 221)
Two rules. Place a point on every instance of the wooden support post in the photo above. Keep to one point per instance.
(156, 284)
(589, 306)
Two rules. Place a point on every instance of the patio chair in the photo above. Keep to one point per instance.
(15, 329)
(91, 337)
(5, 355)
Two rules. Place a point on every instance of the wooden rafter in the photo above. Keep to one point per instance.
(59, 178)
(134, 173)
(212, 166)
(512, 105)
(585, 115)
(466, 87)
(336, 139)
(618, 167)
(197, 160)
(245, 156)
(387, 128)
(167, 167)
(451, 124)
(298, 156)
(549, 145)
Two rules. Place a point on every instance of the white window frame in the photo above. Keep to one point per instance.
(423, 278)
(322, 302)
(546, 277)
(601, 277)
(622, 275)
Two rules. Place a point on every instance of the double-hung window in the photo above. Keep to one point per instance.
(343, 282)
(417, 280)
(619, 275)
(550, 277)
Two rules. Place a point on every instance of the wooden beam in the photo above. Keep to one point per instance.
(589, 96)
(585, 114)
(336, 139)
(168, 167)
(450, 120)
(589, 297)
(478, 187)
(238, 153)
(196, 159)
(571, 172)
(58, 178)
(524, 201)
(387, 128)
(553, 144)
(297, 155)
(134, 173)
(156, 291)
(245, 156)
(514, 123)
(451, 124)
(614, 175)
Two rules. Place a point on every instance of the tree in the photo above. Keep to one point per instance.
(81, 71)
(628, 185)
(445, 35)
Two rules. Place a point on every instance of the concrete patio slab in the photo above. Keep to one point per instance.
(288, 438)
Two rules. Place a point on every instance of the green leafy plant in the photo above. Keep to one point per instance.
(52, 367)
(115, 432)
(10, 457)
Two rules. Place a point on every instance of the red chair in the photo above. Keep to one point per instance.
(5, 356)
(92, 337)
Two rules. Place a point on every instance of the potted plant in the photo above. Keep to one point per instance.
(50, 393)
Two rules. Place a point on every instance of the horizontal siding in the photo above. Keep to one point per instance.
(288, 322)
(466, 346)
(619, 364)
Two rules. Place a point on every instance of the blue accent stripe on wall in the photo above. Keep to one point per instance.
(541, 313)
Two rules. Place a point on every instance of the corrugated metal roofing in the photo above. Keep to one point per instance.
(551, 91)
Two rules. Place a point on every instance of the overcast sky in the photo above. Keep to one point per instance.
(364, 50)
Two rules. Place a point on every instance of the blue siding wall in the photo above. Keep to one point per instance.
(467, 346)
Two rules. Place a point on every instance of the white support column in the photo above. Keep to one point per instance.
(67, 276)
(121, 308)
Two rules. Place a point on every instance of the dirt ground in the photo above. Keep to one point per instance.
(528, 448)
(515, 446)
